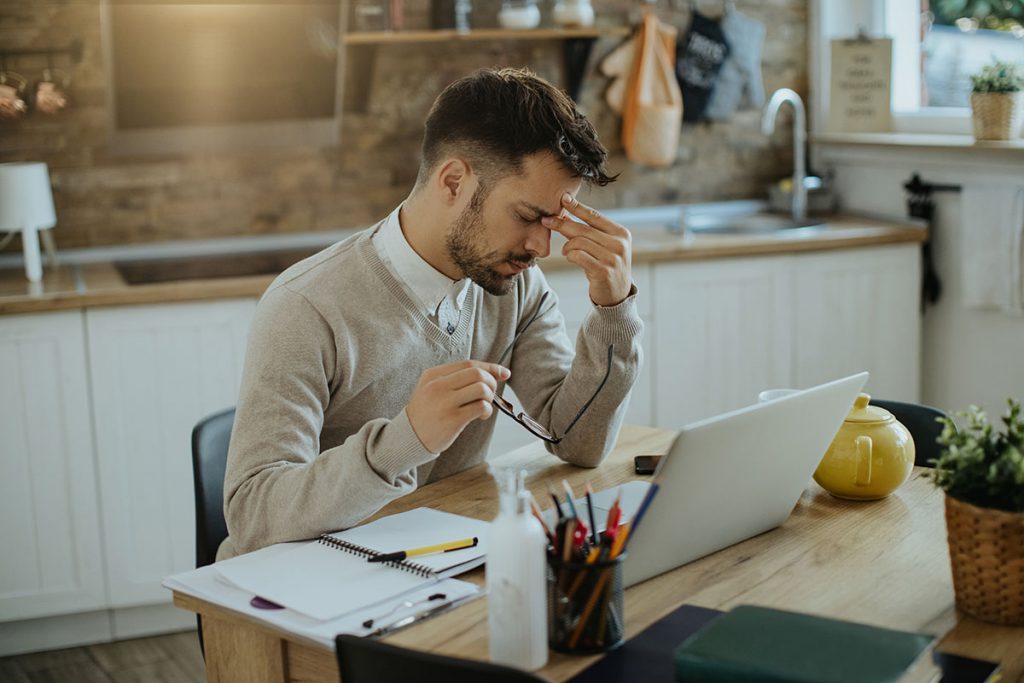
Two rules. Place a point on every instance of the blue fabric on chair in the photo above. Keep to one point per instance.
(920, 421)
(366, 660)
(210, 439)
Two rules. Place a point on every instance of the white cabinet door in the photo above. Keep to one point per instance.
(157, 370)
(723, 335)
(50, 549)
(858, 309)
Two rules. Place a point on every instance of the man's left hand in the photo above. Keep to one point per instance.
(601, 247)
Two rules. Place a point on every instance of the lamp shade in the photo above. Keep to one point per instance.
(25, 198)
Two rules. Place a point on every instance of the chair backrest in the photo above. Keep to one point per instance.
(367, 660)
(210, 439)
(920, 422)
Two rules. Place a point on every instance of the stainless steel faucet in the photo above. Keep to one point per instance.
(780, 97)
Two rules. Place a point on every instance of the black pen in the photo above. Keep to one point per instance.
(590, 511)
(558, 506)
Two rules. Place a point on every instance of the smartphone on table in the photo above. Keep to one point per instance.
(646, 464)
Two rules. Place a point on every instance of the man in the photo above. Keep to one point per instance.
(373, 366)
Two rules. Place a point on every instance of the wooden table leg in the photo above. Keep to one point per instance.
(239, 652)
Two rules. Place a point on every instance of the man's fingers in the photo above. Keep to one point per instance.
(468, 377)
(473, 393)
(570, 228)
(592, 267)
(499, 372)
(592, 216)
(477, 410)
(588, 245)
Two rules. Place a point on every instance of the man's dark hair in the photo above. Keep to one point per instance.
(496, 117)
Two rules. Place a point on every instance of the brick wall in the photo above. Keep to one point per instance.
(103, 199)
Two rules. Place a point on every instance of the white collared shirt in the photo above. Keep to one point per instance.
(437, 296)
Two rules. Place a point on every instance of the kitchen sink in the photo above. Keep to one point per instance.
(750, 224)
(669, 224)
(150, 271)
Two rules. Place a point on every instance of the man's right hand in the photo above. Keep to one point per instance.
(449, 397)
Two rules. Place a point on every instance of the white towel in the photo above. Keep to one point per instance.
(993, 246)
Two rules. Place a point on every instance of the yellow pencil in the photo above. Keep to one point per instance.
(425, 550)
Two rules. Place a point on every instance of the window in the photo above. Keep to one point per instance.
(937, 44)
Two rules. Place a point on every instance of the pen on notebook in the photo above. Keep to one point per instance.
(425, 550)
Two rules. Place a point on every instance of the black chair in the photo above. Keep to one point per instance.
(921, 423)
(366, 660)
(210, 439)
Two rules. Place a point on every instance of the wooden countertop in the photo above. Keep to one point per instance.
(102, 284)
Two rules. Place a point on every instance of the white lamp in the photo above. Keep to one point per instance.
(26, 205)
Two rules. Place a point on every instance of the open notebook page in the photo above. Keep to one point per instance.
(324, 582)
(320, 581)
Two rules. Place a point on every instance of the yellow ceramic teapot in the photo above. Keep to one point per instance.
(870, 456)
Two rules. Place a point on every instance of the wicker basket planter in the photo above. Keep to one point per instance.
(997, 115)
(986, 552)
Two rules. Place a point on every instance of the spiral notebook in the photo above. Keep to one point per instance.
(330, 577)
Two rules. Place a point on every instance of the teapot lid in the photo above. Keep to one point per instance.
(863, 412)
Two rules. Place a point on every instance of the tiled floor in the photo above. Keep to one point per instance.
(172, 658)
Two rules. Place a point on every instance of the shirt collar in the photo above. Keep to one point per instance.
(427, 286)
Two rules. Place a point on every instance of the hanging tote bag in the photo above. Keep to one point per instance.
(653, 108)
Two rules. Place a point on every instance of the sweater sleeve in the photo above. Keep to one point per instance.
(555, 384)
(278, 485)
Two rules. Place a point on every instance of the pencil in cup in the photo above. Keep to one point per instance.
(588, 619)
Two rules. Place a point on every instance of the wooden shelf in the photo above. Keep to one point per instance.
(444, 35)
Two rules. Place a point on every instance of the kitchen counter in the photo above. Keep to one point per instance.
(87, 285)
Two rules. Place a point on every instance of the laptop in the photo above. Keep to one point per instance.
(730, 477)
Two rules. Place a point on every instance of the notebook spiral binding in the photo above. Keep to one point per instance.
(362, 551)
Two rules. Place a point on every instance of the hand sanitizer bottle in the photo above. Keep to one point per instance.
(516, 580)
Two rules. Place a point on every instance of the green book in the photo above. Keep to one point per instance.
(773, 646)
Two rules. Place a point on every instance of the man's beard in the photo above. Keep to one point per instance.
(466, 251)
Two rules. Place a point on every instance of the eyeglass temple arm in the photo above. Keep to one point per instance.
(529, 322)
(607, 373)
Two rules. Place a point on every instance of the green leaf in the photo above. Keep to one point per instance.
(981, 465)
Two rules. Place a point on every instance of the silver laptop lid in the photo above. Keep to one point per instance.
(736, 475)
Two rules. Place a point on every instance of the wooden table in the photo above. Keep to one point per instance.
(883, 563)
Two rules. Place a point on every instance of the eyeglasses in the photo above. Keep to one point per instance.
(536, 428)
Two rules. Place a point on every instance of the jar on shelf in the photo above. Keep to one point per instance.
(370, 15)
(519, 14)
(573, 13)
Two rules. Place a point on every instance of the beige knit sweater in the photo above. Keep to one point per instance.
(321, 440)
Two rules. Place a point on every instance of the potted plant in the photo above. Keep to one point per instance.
(982, 472)
(997, 101)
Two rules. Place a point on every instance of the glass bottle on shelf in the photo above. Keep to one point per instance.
(573, 13)
(519, 14)
(370, 15)
(463, 8)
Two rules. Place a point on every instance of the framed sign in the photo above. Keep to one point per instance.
(861, 86)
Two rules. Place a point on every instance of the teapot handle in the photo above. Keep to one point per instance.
(863, 444)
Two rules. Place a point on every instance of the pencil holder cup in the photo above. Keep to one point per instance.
(585, 606)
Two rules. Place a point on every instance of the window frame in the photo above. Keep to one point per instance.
(829, 20)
